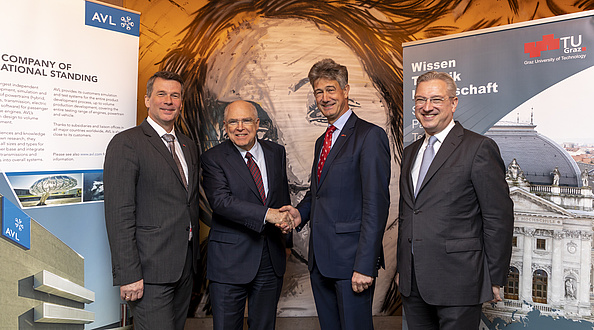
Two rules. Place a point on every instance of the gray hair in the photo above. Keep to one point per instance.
(434, 75)
(329, 69)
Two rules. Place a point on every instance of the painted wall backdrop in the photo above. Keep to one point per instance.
(261, 51)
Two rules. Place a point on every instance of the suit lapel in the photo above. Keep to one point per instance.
(271, 170)
(317, 151)
(239, 165)
(184, 143)
(407, 168)
(451, 142)
(345, 134)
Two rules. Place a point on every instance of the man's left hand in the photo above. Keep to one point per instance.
(361, 282)
(496, 294)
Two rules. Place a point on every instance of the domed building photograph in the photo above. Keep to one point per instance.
(551, 267)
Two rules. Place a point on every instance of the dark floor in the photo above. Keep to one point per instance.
(300, 323)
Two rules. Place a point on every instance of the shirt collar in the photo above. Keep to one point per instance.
(341, 121)
(256, 151)
(442, 135)
(160, 130)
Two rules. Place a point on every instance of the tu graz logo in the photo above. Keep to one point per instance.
(570, 44)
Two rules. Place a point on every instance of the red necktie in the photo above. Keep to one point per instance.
(256, 175)
(325, 149)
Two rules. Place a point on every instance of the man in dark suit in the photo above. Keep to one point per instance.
(151, 210)
(455, 216)
(245, 181)
(346, 206)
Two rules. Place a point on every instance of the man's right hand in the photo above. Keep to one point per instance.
(295, 215)
(275, 216)
(132, 291)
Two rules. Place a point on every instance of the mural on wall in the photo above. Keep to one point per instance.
(261, 51)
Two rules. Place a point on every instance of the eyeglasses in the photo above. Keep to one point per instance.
(420, 101)
(245, 122)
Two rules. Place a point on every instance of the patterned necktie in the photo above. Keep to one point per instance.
(325, 149)
(256, 175)
(170, 138)
(427, 159)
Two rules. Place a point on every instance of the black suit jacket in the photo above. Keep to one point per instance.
(238, 231)
(148, 210)
(348, 208)
(461, 223)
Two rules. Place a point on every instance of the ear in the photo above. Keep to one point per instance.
(454, 104)
(346, 90)
(146, 101)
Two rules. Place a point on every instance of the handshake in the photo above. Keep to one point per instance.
(286, 218)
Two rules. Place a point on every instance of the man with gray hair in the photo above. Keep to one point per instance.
(346, 205)
(455, 216)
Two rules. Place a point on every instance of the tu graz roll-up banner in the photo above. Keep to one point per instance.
(528, 86)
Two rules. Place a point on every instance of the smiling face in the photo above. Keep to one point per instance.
(331, 99)
(434, 118)
(164, 103)
(242, 123)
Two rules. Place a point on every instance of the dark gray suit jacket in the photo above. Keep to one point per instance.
(461, 223)
(238, 234)
(147, 208)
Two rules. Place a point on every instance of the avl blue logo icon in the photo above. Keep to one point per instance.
(16, 224)
(110, 18)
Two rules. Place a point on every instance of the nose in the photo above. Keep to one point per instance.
(428, 105)
(168, 99)
(325, 97)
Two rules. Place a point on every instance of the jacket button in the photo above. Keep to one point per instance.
(416, 211)
(409, 240)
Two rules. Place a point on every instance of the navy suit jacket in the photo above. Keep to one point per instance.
(461, 222)
(347, 209)
(148, 210)
(238, 231)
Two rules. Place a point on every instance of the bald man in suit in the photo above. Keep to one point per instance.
(245, 181)
(455, 216)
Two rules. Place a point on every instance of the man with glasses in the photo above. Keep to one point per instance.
(455, 216)
(245, 181)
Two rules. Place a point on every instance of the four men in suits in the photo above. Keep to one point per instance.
(151, 210)
(455, 216)
(346, 206)
(245, 181)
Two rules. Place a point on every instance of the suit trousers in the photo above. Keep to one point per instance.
(338, 306)
(165, 306)
(262, 294)
(422, 316)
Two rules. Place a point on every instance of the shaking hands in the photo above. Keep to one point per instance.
(286, 218)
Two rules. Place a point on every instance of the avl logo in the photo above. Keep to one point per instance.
(16, 224)
(110, 18)
(570, 44)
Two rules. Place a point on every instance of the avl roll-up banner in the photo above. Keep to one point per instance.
(68, 83)
(498, 69)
